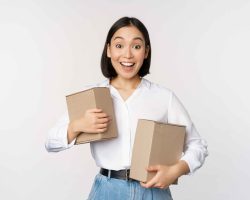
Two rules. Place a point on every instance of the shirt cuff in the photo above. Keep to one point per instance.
(191, 158)
(60, 140)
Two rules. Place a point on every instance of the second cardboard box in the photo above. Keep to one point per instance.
(155, 144)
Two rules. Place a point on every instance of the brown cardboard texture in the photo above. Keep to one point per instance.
(98, 97)
(155, 143)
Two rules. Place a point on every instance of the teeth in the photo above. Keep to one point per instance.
(127, 64)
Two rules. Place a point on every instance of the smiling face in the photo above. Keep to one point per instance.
(127, 51)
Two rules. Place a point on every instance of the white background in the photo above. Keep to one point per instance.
(48, 49)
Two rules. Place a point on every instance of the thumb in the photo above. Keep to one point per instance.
(95, 110)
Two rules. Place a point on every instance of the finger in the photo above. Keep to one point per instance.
(101, 115)
(101, 130)
(101, 126)
(155, 185)
(148, 184)
(153, 168)
(102, 120)
(143, 184)
(94, 110)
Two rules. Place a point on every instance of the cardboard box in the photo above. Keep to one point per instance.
(98, 97)
(155, 143)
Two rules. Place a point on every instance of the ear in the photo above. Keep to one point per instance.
(146, 52)
(108, 51)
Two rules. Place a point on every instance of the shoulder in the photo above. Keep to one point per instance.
(157, 88)
(104, 83)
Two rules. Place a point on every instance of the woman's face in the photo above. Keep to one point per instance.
(127, 51)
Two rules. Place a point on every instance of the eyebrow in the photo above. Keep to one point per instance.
(136, 38)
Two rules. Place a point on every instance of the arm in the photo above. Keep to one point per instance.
(63, 135)
(57, 136)
(195, 150)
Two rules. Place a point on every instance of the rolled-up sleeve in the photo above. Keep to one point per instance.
(195, 148)
(57, 139)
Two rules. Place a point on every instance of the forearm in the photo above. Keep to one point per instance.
(181, 168)
(72, 132)
(57, 135)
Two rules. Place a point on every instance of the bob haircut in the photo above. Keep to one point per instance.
(107, 69)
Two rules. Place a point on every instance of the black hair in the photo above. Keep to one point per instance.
(107, 69)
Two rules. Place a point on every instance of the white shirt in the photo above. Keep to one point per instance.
(149, 101)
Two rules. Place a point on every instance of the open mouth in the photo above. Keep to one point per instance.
(127, 64)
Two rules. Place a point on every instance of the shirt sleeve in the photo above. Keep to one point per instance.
(57, 136)
(195, 148)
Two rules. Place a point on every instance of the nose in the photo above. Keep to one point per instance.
(128, 52)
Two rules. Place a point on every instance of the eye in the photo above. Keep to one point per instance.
(137, 46)
(118, 46)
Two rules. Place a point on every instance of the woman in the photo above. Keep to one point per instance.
(125, 61)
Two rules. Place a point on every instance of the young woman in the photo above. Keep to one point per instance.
(125, 61)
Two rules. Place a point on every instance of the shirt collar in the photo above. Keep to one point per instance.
(144, 83)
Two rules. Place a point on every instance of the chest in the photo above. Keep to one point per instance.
(125, 94)
(141, 106)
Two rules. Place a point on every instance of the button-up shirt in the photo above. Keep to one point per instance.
(149, 101)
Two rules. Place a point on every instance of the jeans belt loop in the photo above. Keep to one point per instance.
(109, 173)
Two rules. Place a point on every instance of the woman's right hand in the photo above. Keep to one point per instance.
(93, 121)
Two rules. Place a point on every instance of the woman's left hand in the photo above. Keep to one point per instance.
(165, 175)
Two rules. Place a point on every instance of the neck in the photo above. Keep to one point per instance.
(126, 84)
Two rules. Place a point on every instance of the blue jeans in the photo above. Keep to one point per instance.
(105, 188)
